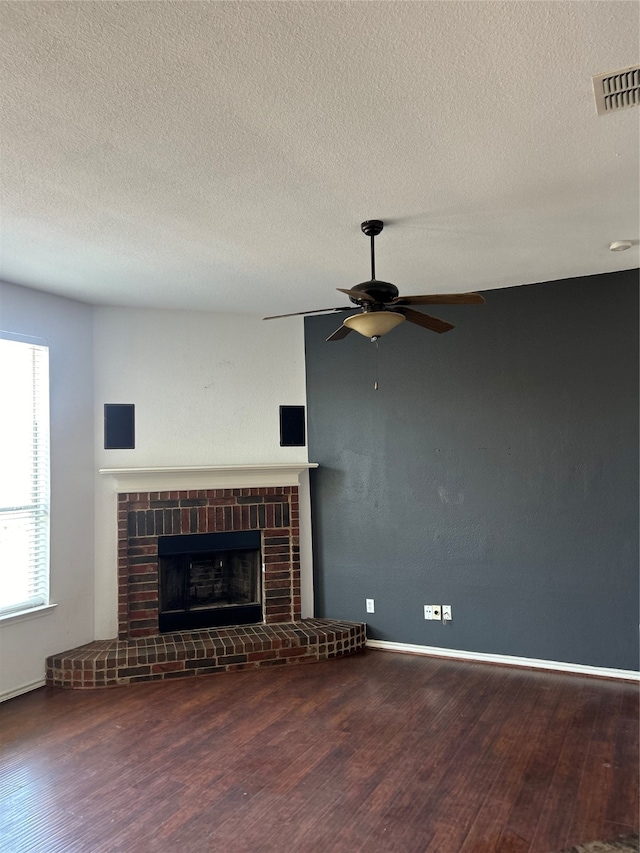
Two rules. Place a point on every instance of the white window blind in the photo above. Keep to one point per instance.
(24, 474)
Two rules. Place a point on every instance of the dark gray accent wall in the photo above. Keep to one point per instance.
(495, 470)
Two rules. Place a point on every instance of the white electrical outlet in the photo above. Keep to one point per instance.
(432, 611)
(370, 605)
(446, 613)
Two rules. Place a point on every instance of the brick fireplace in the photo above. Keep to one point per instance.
(152, 503)
(145, 516)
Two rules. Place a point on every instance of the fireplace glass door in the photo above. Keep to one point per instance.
(209, 580)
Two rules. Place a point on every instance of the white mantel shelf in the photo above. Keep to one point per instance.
(207, 476)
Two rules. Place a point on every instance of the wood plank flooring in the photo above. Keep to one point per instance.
(378, 752)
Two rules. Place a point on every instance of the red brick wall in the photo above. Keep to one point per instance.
(143, 516)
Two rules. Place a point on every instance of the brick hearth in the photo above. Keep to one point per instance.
(109, 663)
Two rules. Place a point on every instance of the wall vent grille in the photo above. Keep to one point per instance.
(617, 90)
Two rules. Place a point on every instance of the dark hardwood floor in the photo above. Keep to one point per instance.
(377, 752)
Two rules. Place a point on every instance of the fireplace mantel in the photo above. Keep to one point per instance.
(207, 476)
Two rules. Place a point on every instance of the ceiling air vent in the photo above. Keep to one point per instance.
(617, 90)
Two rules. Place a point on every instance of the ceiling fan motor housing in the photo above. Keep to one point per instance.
(380, 291)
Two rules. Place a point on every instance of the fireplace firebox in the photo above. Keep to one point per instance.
(209, 580)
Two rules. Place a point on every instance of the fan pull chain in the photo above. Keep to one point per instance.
(375, 369)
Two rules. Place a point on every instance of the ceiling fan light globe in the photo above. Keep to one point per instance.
(374, 324)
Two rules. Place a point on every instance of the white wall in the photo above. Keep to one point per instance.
(206, 389)
(26, 641)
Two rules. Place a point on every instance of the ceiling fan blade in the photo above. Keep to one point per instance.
(317, 311)
(357, 294)
(340, 333)
(441, 299)
(426, 321)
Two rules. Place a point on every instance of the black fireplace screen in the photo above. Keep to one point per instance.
(209, 579)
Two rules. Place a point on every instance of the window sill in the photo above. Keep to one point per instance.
(24, 615)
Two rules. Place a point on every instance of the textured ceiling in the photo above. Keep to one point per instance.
(221, 155)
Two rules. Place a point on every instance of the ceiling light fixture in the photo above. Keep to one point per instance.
(374, 324)
(620, 245)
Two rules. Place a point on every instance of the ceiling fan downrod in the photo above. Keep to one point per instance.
(372, 227)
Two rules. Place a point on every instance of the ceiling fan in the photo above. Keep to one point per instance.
(381, 306)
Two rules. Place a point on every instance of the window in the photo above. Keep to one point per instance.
(24, 473)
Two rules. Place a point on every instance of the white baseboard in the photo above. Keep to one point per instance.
(20, 690)
(506, 660)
